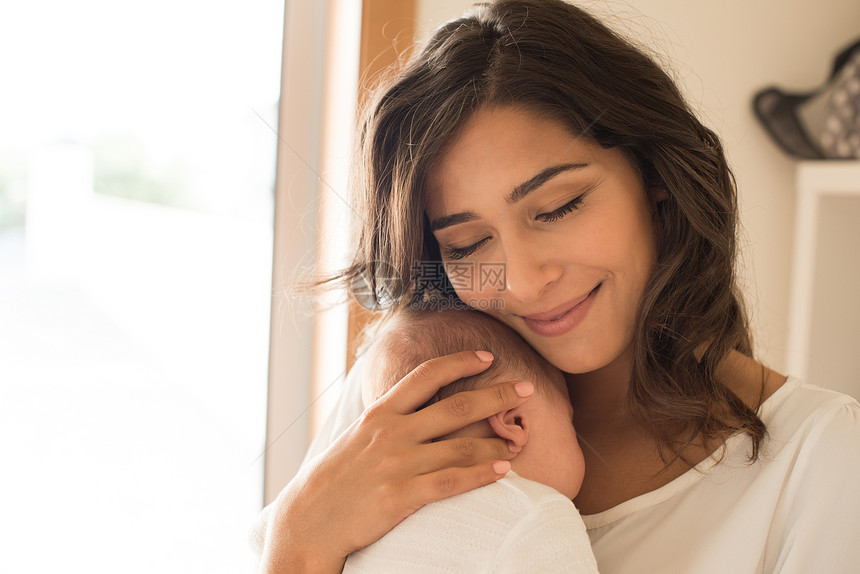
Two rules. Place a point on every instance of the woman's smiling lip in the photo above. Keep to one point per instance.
(562, 319)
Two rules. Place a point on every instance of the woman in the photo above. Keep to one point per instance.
(530, 138)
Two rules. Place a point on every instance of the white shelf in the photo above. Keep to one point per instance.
(815, 180)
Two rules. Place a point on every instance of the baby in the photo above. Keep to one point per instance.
(524, 522)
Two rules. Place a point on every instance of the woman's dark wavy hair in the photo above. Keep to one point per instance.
(556, 60)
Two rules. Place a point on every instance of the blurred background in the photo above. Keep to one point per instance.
(159, 379)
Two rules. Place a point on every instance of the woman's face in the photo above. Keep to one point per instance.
(563, 225)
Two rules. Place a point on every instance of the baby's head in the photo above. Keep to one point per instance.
(540, 431)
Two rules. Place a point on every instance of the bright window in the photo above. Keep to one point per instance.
(137, 169)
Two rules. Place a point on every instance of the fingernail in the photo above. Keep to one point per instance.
(524, 389)
(501, 467)
(485, 356)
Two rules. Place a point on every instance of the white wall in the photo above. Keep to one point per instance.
(721, 53)
(834, 347)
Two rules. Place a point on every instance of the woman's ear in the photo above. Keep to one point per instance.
(512, 426)
(657, 194)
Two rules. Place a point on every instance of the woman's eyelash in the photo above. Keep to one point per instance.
(463, 252)
(455, 253)
(557, 214)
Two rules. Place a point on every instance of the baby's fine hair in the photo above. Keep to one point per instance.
(410, 337)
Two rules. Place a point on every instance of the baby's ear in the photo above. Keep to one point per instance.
(512, 426)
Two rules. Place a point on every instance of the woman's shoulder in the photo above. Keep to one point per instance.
(797, 401)
(776, 397)
(803, 417)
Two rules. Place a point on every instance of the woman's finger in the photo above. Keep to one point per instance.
(460, 452)
(441, 484)
(461, 409)
(426, 379)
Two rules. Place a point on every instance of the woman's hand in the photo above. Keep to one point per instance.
(385, 466)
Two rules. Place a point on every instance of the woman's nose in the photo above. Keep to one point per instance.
(529, 271)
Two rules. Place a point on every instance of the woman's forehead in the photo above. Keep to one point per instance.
(500, 149)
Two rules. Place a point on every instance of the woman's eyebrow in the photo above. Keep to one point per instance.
(454, 219)
(517, 194)
(541, 178)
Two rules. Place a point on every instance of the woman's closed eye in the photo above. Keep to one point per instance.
(463, 252)
(456, 253)
(556, 214)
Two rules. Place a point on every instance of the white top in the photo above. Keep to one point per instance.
(796, 510)
(514, 525)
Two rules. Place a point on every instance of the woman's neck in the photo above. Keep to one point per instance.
(602, 394)
(750, 380)
(622, 458)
